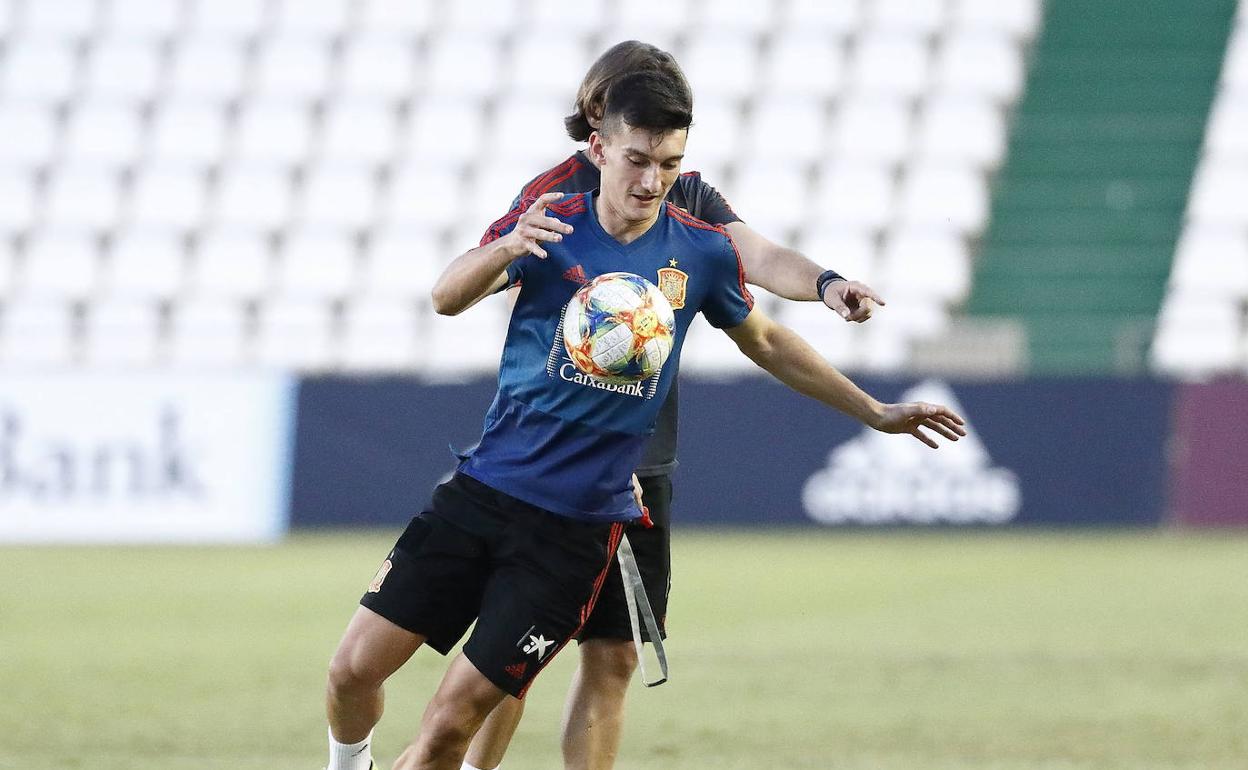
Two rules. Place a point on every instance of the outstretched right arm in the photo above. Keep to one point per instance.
(480, 272)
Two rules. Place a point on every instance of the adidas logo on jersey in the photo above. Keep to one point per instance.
(576, 274)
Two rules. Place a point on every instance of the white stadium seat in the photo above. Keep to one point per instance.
(188, 131)
(771, 196)
(379, 67)
(831, 17)
(1212, 261)
(274, 132)
(30, 134)
(924, 262)
(1197, 336)
(547, 65)
(209, 332)
(8, 269)
(36, 333)
(858, 195)
(17, 190)
(380, 335)
(891, 63)
(722, 65)
(60, 265)
(122, 333)
(1019, 18)
(786, 128)
(322, 19)
(664, 17)
(529, 130)
(425, 195)
(463, 65)
(715, 137)
(944, 196)
(709, 353)
(317, 264)
(229, 18)
(804, 63)
(66, 19)
(124, 70)
(232, 264)
(980, 63)
(294, 333)
(553, 17)
(45, 70)
(1218, 195)
(829, 334)
(922, 16)
(146, 264)
(292, 67)
(448, 131)
(491, 17)
(83, 198)
(168, 197)
(259, 198)
(1235, 67)
(752, 16)
(1226, 139)
(850, 252)
(339, 196)
(402, 265)
(103, 132)
(144, 19)
(407, 19)
(208, 69)
(962, 128)
(879, 129)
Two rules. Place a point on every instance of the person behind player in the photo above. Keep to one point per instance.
(594, 714)
(521, 535)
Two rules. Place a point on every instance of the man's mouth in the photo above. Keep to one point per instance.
(645, 198)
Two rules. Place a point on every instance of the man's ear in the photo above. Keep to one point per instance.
(597, 152)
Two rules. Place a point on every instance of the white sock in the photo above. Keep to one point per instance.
(350, 756)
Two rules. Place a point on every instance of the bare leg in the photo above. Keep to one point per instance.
(593, 718)
(371, 650)
(491, 741)
(463, 700)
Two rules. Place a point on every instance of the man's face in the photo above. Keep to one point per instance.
(638, 168)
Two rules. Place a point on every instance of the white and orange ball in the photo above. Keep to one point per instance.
(619, 328)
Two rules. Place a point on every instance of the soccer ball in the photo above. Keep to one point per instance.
(618, 328)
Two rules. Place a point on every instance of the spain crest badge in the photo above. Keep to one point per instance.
(672, 283)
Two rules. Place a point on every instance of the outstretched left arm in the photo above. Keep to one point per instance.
(791, 360)
(791, 274)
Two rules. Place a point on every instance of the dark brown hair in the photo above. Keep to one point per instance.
(653, 101)
(626, 58)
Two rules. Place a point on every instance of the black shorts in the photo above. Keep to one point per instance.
(653, 548)
(527, 576)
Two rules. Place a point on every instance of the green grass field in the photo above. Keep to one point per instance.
(791, 650)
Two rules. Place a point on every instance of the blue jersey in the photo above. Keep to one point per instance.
(554, 437)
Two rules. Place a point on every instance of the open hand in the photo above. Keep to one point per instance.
(535, 228)
(910, 417)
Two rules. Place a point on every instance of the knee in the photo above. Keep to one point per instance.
(609, 659)
(447, 726)
(348, 673)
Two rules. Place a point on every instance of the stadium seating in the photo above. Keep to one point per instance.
(1202, 329)
(279, 182)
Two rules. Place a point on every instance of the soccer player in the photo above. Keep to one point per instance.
(593, 718)
(521, 537)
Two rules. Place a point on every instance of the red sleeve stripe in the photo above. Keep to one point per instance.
(495, 230)
(613, 542)
(684, 217)
(544, 183)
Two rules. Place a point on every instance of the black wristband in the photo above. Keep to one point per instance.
(825, 278)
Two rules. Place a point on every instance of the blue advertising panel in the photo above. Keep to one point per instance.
(752, 452)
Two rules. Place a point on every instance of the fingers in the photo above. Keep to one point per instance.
(864, 310)
(942, 429)
(535, 228)
(926, 439)
(864, 291)
(834, 301)
(544, 200)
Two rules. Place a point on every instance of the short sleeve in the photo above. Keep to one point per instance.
(728, 302)
(705, 202)
(515, 271)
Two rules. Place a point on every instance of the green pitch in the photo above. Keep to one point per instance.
(791, 650)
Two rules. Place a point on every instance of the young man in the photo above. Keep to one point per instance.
(521, 536)
(593, 718)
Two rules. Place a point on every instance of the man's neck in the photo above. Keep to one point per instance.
(619, 228)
